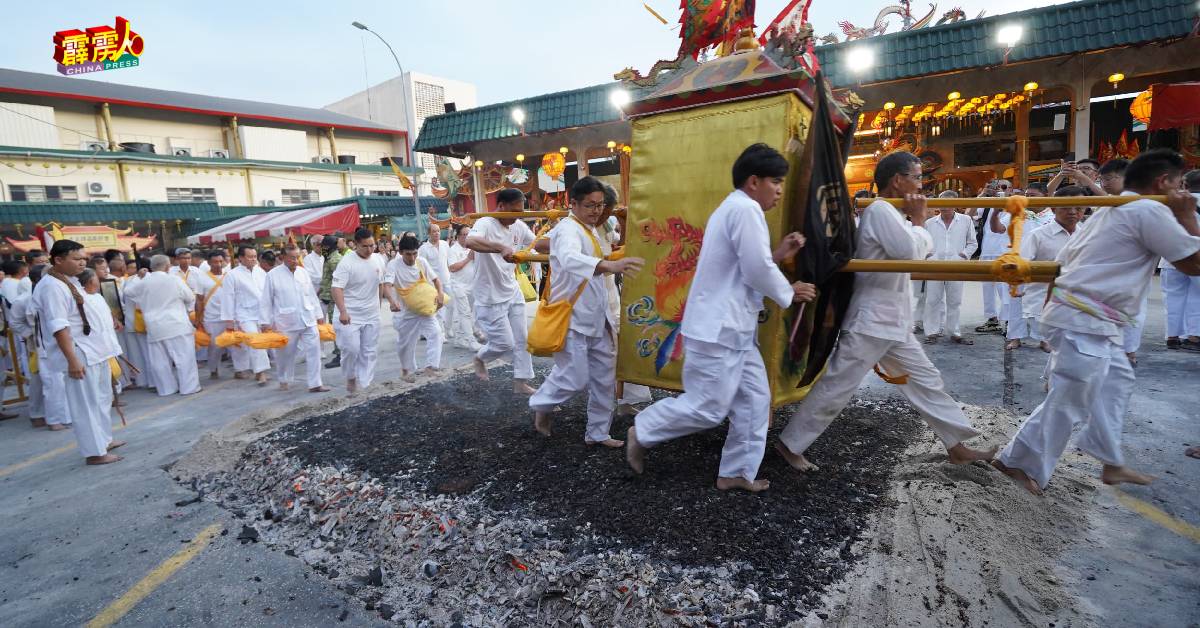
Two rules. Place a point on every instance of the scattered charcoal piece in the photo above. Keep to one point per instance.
(375, 576)
(248, 535)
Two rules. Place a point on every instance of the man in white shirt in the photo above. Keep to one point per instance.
(405, 271)
(314, 262)
(953, 235)
(1043, 244)
(461, 264)
(355, 289)
(993, 242)
(135, 338)
(1106, 271)
(1181, 294)
(291, 306)
(209, 302)
(877, 329)
(74, 348)
(184, 269)
(12, 289)
(22, 318)
(14, 283)
(499, 304)
(241, 309)
(436, 252)
(33, 258)
(165, 302)
(723, 371)
(588, 360)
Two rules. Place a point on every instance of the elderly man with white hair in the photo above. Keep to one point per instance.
(165, 302)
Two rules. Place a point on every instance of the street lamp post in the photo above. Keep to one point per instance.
(407, 117)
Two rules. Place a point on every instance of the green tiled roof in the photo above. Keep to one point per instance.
(68, 213)
(1051, 31)
(12, 152)
(548, 112)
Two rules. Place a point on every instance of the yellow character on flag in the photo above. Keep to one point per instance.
(71, 47)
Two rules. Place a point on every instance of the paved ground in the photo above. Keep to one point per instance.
(77, 539)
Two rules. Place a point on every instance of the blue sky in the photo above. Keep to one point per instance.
(304, 52)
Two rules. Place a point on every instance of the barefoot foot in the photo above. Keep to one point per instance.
(797, 461)
(757, 486)
(261, 378)
(37, 423)
(105, 459)
(1018, 476)
(961, 454)
(283, 385)
(1044, 346)
(521, 387)
(1192, 452)
(480, 370)
(351, 386)
(320, 389)
(635, 454)
(1124, 475)
(1012, 344)
(609, 442)
(116, 443)
(57, 427)
(541, 423)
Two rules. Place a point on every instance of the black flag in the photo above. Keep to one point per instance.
(823, 211)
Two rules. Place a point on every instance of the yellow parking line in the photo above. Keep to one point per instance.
(1178, 526)
(115, 611)
(17, 466)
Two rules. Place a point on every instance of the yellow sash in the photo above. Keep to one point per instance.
(548, 333)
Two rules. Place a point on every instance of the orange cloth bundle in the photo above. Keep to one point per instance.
(202, 339)
(267, 340)
(231, 338)
(325, 330)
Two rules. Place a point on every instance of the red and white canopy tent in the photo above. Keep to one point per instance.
(308, 221)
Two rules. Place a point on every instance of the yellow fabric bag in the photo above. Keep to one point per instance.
(325, 331)
(202, 339)
(548, 333)
(230, 338)
(526, 287)
(267, 340)
(33, 362)
(114, 367)
(139, 323)
(421, 297)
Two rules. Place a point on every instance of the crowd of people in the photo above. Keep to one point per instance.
(89, 328)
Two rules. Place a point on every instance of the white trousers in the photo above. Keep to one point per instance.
(1181, 297)
(359, 344)
(717, 383)
(54, 391)
(1131, 335)
(943, 302)
(304, 343)
(1090, 383)
(409, 330)
(585, 363)
(992, 292)
(920, 301)
(1020, 326)
(174, 364)
(139, 348)
(246, 358)
(504, 326)
(37, 396)
(215, 351)
(634, 393)
(89, 400)
(461, 323)
(852, 359)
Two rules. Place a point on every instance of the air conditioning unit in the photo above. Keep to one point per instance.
(268, 203)
(360, 191)
(324, 159)
(218, 153)
(93, 146)
(99, 188)
(178, 148)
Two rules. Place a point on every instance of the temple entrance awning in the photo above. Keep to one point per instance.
(308, 221)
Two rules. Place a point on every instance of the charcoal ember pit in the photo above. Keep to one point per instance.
(462, 436)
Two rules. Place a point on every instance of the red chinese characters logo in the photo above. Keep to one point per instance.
(97, 48)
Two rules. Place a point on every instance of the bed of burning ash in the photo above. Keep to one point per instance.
(441, 506)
